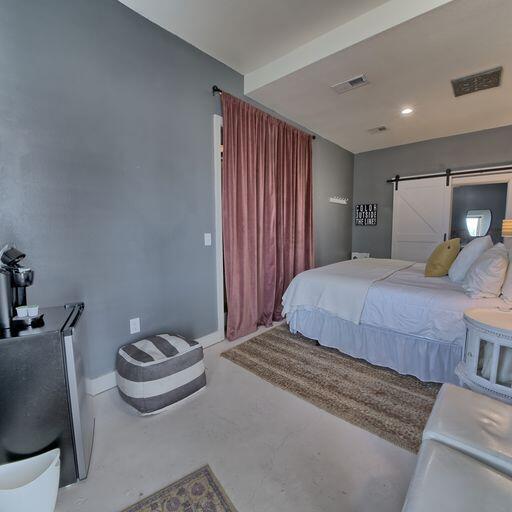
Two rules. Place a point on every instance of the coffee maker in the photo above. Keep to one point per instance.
(14, 280)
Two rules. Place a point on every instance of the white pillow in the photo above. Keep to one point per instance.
(507, 285)
(469, 254)
(487, 274)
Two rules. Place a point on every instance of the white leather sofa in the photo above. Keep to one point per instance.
(474, 424)
(447, 480)
(465, 460)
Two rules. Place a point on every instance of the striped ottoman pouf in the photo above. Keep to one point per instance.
(159, 371)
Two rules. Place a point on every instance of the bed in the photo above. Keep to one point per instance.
(386, 312)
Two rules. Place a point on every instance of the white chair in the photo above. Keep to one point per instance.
(30, 484)
(474, 424)
(450, 481)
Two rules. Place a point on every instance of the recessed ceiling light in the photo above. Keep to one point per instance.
(406, 111)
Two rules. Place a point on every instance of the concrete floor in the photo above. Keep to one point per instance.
(271, 451)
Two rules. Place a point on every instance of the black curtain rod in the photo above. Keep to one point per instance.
(448, 174)
(217, 89)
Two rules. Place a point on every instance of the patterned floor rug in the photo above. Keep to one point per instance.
(393, 406)
(198, 492)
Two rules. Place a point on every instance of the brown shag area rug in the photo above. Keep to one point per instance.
(393, 406)
(199, 491)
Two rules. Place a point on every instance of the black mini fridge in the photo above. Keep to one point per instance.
(43, 401)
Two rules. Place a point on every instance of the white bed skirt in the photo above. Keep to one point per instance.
(428, 360)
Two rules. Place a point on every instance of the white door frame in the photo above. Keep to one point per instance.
(219, 334)
(219, 255)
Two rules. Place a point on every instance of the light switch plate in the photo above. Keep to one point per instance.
(134, 325)
(207, 239)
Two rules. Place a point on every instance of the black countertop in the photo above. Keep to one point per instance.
(54, 320)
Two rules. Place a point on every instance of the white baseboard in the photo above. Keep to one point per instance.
(211, 339)
(108, 381)
(99, 384)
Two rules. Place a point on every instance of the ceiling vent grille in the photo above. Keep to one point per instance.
(348, 85)
(477, 82)
(378, 129)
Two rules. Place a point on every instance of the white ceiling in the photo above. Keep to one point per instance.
(410, 64)
(246, 34)
(291, 51)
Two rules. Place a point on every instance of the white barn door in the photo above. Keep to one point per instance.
(421, 218)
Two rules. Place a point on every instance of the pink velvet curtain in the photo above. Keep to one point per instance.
(267, 213)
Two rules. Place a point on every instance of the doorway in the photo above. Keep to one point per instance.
(478, 210)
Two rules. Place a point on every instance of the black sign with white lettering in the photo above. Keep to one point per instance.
(366, 214)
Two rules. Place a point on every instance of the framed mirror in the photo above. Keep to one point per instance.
(478, 222)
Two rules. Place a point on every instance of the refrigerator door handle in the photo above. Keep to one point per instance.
(79, 307)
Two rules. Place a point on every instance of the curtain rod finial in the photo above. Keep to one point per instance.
(215, 89)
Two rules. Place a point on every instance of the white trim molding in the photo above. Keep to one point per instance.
(100, 384)
(108, 381)
(211, 339)
(219, 254)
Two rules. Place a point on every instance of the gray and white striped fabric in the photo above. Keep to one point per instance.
(159, 371)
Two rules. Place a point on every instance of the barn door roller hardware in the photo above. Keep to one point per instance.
(450, 174)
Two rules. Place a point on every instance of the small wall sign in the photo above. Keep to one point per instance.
(366, 214)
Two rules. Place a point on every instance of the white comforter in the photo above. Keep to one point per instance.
(339, 288)
(394, 295)
(429, 307)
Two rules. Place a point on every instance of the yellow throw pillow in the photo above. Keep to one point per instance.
(442, 258)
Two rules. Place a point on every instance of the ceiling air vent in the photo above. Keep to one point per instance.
(348, 85)
(378, 129)
(477, 82)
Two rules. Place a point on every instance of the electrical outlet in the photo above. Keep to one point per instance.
(134, 325)
(207, 239)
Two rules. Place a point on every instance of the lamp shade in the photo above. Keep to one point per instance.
(506, 228)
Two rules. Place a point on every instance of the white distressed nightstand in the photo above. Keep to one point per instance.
(487, 365)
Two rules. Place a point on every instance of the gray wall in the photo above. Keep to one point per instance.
(333, 222)
(106, 167)
(371, 169)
